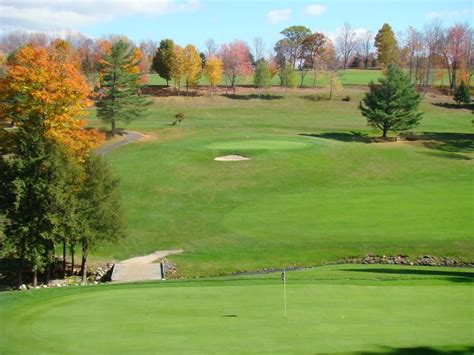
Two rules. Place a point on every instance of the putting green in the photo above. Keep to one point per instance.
(409, 308)
(258, 144)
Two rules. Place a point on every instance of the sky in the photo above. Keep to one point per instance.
(194, 21)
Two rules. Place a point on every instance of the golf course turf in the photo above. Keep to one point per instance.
(346, 308)
(317, 189)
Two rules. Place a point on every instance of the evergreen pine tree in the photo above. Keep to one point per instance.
(163, 59)
(392, 104)
(387, 47)
(100, 208)
(121, 99)
(462, 94)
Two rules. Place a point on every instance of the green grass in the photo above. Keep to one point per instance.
(347, 309)
(348, 77)
(335, 196)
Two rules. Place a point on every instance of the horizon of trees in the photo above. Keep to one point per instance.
(429, 54)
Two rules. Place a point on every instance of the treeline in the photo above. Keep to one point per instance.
(428, 55)
(54, 191)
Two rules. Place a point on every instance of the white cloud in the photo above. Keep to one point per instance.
(44, 15)
(278, 15)
(314, 10)
(449, 14)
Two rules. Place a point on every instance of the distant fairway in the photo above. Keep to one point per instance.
(314, 190)
(331, 309)
(251, 144)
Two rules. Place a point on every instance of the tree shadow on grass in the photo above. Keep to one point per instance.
(445, 142)
(453, 156)
(268, 97)
(315, 98)
(454, 276)
(342, 136)
(423, 350)
(454, 106)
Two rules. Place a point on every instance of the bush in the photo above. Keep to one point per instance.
(462, 94)
(178, 118)
(346, 98)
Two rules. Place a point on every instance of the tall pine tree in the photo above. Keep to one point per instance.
(121, 99)
(391, 105)
(387, 47)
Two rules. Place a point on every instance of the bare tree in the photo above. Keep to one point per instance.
(433, 34)
(367, 41)
(259, 48)
(211, 47)
(414, 49)
(346, 43)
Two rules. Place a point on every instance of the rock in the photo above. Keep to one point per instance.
(22, 287)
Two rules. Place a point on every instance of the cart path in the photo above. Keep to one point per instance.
(128, 137)
(141, 268)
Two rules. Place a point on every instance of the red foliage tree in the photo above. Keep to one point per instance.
(236, 61)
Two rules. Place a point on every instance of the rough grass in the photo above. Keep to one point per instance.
(338, 196)
(368, 309)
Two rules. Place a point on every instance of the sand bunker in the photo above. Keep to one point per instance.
(232, 157)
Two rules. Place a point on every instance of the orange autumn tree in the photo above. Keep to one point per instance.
(42, 90)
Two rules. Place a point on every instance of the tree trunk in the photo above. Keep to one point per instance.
(85, 250)
(35, 276)
(72, 260)
(187, 87)
(113, 127)
(64, 256)
(20, 271)
(167, 83)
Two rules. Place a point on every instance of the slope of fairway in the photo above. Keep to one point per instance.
(333, 309)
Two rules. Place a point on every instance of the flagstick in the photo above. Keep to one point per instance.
(284, 289)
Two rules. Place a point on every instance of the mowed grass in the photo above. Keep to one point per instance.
(347, 77)
(348, 308)
(331, 196)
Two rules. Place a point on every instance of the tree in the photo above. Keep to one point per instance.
(121, 99)
(462, 94)
(38, 180)
(387, 47)
(293, 41)
(213, 71)
(392, 104)
(41, 89)
(259, 48)
(346, 43)
(211, 48)
(288, 78)
(192, 66)
(331, 62)
(262, 76)
(366, 43)
(100, 210)
(235, 60)
(311, 53)
(163, 59)
(455, 45)
(178, 66)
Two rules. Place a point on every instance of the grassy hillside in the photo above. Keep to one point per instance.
(314, 191)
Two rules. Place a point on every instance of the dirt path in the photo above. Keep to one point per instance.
(128, 137)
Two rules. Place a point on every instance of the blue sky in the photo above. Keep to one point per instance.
(194, 21)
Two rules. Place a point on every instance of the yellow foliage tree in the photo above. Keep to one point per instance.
(192, 66)
(213, 71)
(177, 66)
(40, 90)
